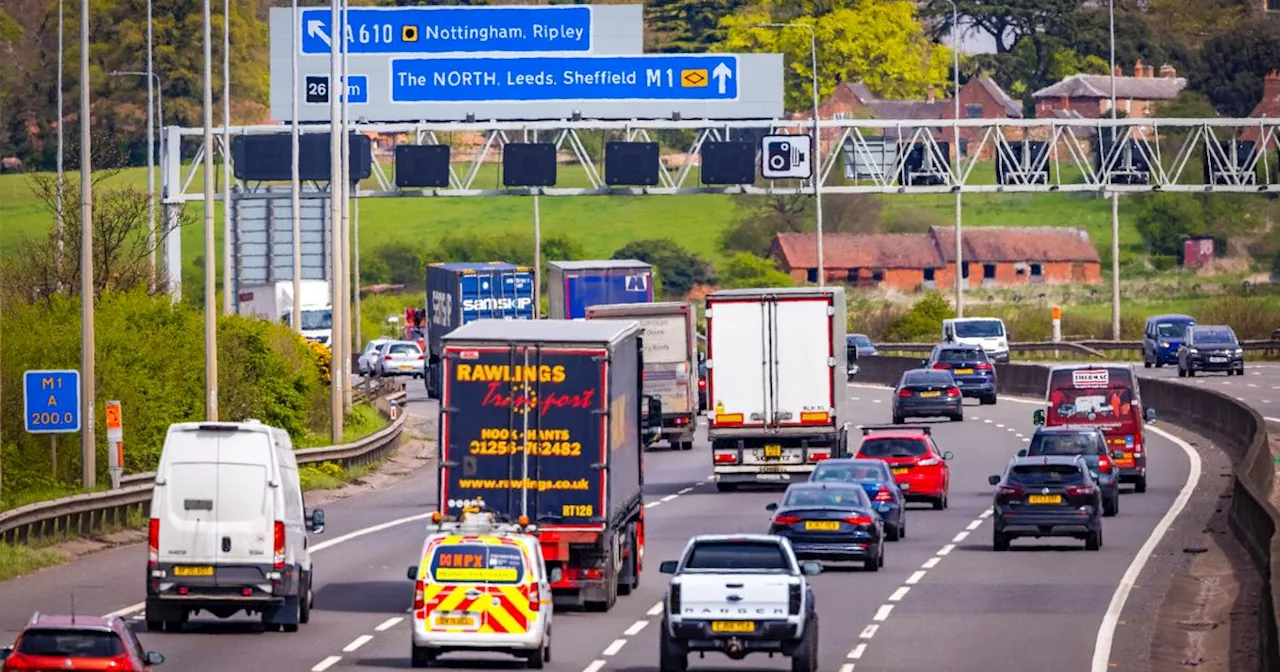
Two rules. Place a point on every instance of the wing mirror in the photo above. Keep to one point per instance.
(155, 658)
(811, 568)
(947, 455)
(5, 653)
(1022, 453)
(412, 573)
(993, 480)
(668, 567)
(315, 522)
(904, 486)
(1038, 416)
(1149, 415)
(771, 506)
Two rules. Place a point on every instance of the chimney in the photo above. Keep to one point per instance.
(1151, 71)
(932, 97)
(1118, 71)
(1138, 69)
(1167, 71)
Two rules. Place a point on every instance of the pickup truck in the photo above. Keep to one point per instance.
(739, 594)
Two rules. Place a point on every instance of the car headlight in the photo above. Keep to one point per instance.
(1193, 351)
(1239, 351)
(1163, 344)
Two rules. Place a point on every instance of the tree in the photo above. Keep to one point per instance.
(923, 321)
(1008, 21)
(687, 26)
(1234, 65)
(879, 42)
(763, 217)
(678, 269)
(744, 271)
(1164, 220)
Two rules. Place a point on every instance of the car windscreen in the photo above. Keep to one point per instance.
(70, 643)
(952, 355)
(1172, 329)
(477, 563)
(853, 497)
(928, 378)
(1064, 444)
(850, 473)
(1204, 336)
(403, 349)
(313, 320)
(893, 447)
(1046, 474)
(737, 555)
(860, 341)
(979, 329)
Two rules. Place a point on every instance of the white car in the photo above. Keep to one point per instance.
(364, 364)
(399, 358)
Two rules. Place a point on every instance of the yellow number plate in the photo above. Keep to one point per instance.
(931, 394)
(406, 367)
(964, 370)
(773, 451)
(193, 571)
(454, 621)
(899, 471)
(1045, 499)
(828, 525)
(733, 626)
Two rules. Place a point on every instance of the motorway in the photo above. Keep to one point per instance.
(1259, 388)
(942, 601)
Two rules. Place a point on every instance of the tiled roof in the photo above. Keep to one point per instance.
(1018, 244)
(1099, 86)
(1012, 108)
(857, 250)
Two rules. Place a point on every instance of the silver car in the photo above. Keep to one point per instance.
(364, 364)
(399, 358)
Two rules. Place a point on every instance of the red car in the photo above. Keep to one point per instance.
(918, 466)
(75, 643)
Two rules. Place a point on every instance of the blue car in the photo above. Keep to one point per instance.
(971, 368)
(886, 495)
(1162, 339)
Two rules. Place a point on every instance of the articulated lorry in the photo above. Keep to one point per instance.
(275, 302)
(575, 286)
(670, 361)
(547, 419)
(461, 293)
(776, 383)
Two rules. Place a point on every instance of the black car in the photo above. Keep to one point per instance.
(927, 393)
(830, 521)
(1047, 496)
(1210, 348)
(1089, 443)
(974, 372)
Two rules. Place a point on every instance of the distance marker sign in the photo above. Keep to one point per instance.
(51, 401)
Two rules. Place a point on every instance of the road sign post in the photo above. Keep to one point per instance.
(1057, 327)
(787, 157)
(115, 443)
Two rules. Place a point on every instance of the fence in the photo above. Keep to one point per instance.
(85, 513)
(1233, 426)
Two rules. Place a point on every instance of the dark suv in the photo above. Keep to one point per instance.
(973, 371)
(1048, 496)
(1210, 348)
(1091, 444)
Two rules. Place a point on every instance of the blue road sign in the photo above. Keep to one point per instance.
(51, 401)
(458, 30)
(552, 78)
(358, 88)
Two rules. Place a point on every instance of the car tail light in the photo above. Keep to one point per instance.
(1011, 490)
(1080, 490)
(793, 598)
(388, 358)
(153, 544)
(929, 462)
(818, 457)
(859, 520)
(953, 392)
(420, 358)
(1104, 464)
(942, 367)
(277, 561)
(904, 393)
(984, 366)
(727, 457)
(786, 520)
(884, 495)
(674, 607)
(702, 382)
(418, 602)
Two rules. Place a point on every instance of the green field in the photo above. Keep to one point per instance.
(600, 224)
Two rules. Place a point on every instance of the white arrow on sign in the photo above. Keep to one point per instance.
(316, 29)
(722, 74)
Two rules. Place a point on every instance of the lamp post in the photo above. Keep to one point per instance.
(62, 115)
(154, 88)
(1115, 195)
(955, 136)
(228, 235)
(88, 386)
(295, 183)
(335, 225)
(210, 247)
(817, 139)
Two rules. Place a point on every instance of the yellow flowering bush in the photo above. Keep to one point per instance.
(324, 357)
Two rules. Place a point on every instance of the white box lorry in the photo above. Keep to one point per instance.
(670, 361)
(776, 394)
(275, 302)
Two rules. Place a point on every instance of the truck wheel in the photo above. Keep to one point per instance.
(671, 658)
(630, 578)
(805, 657)
(687, 445)
(726, 487)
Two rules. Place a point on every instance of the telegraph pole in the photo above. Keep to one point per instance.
(152, 239)
(228, 231)
(210, 247)
(335, 226)
(62, 117)
(296, 185)
(345, 342)
(88, 438)
(1115, 195)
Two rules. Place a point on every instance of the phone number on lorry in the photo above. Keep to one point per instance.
(543, 448)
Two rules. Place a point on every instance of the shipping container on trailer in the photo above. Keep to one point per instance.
(575, 286)
(459, 293)
(670, 361)
(546, 418)
(776, 365)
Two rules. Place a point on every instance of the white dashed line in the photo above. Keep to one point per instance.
(388, 624)
(876, 401)
(669, 498)
(685, 491)
(986, 514)
(915, 578)
(946, 549)
(654, 610)
(883, 613)
(960, 536)
(1252, 384)
(856, 653)
(847, 667)
(650, 505)
(326, 663)
(974, 525)
(615, 647)
(900, 593)
(988, 421)
(999, 426)
(635, 628)
(868, 632)
(931, 562)
(1019, 435)
(595, 666)
(357, 643)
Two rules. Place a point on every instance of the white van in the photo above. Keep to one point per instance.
(987, 333)
(228, 529)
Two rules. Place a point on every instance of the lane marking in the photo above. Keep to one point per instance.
(960, 536)
(915, 578)
(654, 610)
(868, 632)
(1270, 419)
(685, 491)
(856, 653)
(847, 667)
(615, 647)
(900, 593)
(388, 624)
(669, 498)
(357, 643)
(986, 514)
(974, 525)
(650, 505)
(946, 549)
(326, 663)
(988, 421)
(931, 562)
(635, 628)
(595, 666)
(1107, 630)
(883, 612)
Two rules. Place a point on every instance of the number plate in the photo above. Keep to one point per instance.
(825, 525)
(931, 394)
(1218, 360)
(406, 367)
(773, 451)
(1044, 499)
(733, 626)
(962, 371)
(193, 571)
(454, 621)
(899, 471)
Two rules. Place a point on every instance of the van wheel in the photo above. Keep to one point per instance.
(536, 659)
(671, 658)
(421, 657)
(307, 599)
(805, 657)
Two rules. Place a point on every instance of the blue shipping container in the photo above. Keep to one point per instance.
(460, 293)
(574, 286)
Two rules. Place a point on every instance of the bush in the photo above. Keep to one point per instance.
(924, 321)
(323, 359)
(745, 270)
(677, 268)
(150, 358)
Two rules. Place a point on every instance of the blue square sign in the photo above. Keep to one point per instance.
(51, 401)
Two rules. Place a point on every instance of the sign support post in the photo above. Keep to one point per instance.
(1057, 327)
(115, 443)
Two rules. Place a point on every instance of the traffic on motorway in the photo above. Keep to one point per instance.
(547, 490)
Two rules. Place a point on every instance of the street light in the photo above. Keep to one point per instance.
(210, 247)
(1115, 195)
(817, 140)
(88, 372)
(151, 158)
(955, 136)
(336, 410)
